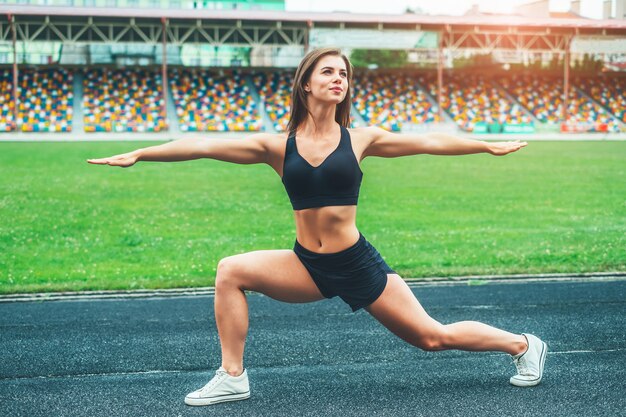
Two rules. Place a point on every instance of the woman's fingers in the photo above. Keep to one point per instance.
(123, 160)
(508, 147)
(98, 161)
(520, 145)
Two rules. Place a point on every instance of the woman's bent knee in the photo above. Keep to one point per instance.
(431, 345)
(434, 342)
(227, 275)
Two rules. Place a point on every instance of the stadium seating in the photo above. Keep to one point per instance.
(128, 100)
(391, 100)
(610, 92)
(543, 97)
(45, 100)
(213, 101)
(471, 99)
(275, 91)
(7, 122)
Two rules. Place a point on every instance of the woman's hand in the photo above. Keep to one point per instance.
(124, 160)
(503, 148)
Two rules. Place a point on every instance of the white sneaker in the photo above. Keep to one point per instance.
(221, 388)
(530, 363)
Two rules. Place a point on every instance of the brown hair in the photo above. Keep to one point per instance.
(299, 108)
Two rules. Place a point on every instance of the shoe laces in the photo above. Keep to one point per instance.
(219, 377)
(521, 365)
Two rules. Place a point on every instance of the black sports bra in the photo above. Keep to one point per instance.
(335, 182)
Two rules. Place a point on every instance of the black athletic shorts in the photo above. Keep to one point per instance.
(358, 274)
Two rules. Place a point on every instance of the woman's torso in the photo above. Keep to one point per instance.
(321, 229)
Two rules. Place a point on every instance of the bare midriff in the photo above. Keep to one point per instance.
(326, 229)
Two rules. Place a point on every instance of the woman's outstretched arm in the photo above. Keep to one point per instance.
(389, 145)
(250, 150)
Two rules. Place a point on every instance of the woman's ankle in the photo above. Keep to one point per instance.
(233, 370)
(520, 347)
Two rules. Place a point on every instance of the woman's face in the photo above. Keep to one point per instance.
(329, 80)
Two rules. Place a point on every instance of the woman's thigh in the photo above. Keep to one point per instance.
(399, 311)
(279, 274)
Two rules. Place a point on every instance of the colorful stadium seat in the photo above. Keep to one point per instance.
(275, 91)
(471, 99)
(542, 95)
(46, 100)
(392, 100)
(128, 100)
(609, 92)
(213, 101)
(7, 118)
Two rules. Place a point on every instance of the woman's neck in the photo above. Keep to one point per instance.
(320, 122)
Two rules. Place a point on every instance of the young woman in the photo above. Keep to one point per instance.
(318, 161)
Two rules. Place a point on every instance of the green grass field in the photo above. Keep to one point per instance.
(68, 225)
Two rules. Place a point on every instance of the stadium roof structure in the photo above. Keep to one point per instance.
(325, 17)
(278, 28)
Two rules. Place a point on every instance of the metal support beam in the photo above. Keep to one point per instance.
(440, 77)
(246, 33)
(14, 36)
(307, 33)
(488, 41)
(164, 67)
(59, 29)
(566, 64)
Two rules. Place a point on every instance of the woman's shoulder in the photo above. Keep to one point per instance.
(270, 139)
(273, 143)
(269, 136)
(364, 129)
(364, 133)
(361, 138)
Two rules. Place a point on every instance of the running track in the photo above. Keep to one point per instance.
(139, 357)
